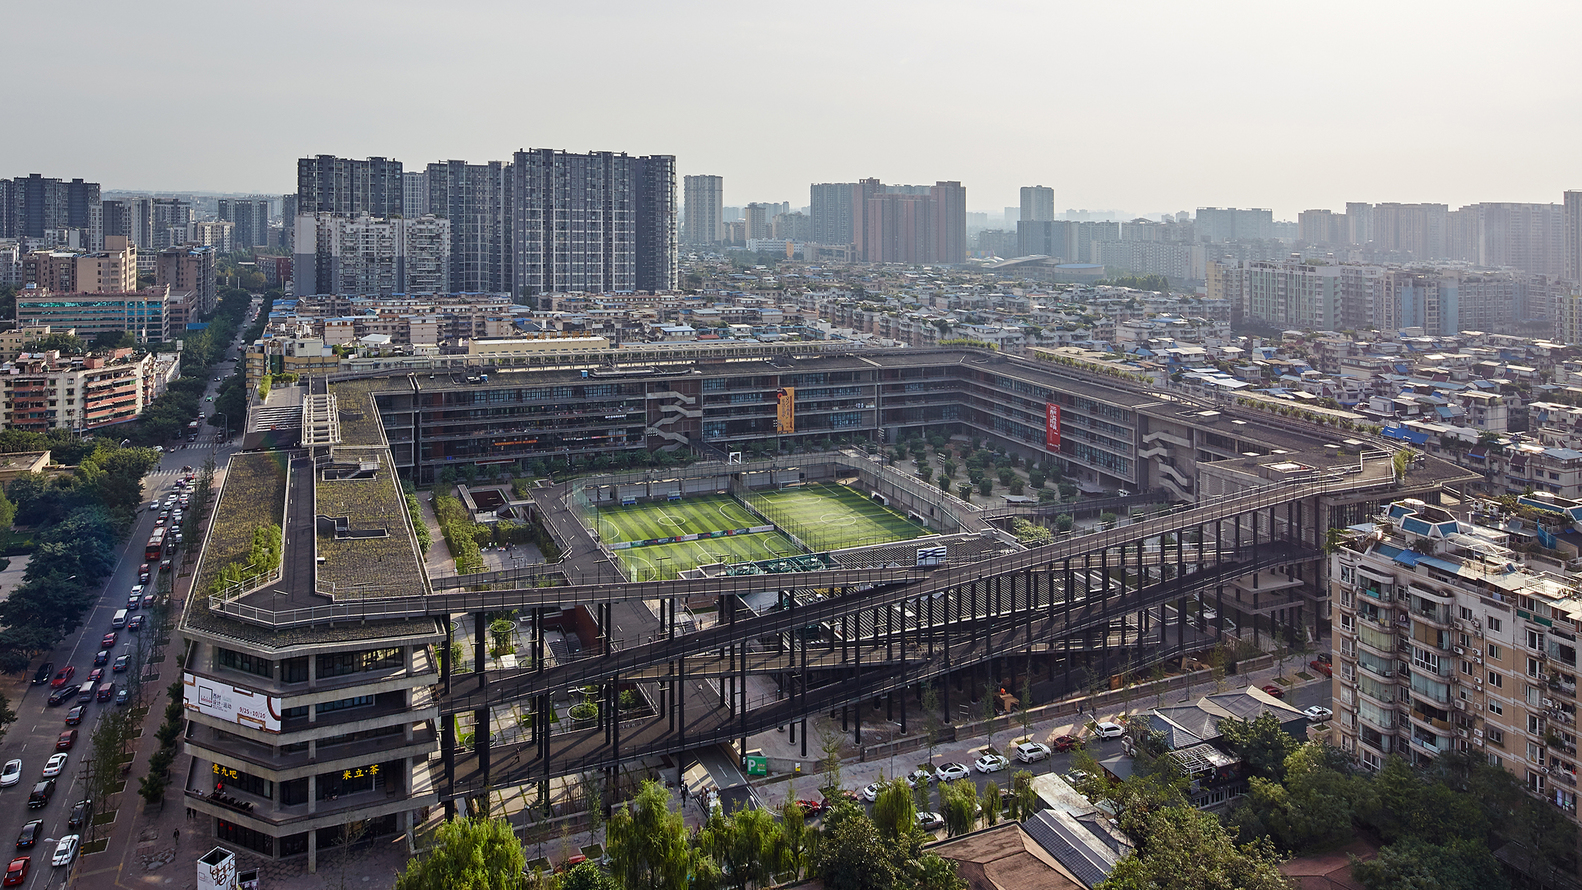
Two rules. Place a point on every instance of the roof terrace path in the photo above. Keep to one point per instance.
(297, 570)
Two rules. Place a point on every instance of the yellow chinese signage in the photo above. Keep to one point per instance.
(785, 410)
(361, 772)
(227, 773)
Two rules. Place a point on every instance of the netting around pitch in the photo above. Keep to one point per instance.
(825, 517)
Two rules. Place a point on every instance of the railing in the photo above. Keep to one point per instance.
(245, 586)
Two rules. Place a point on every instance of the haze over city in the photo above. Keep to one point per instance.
(1142, 108)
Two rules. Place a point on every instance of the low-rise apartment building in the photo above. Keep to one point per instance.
(142, 313)
(46, 391)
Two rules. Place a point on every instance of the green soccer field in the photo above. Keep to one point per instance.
(665, 561)
(667, 519)
(834, 517)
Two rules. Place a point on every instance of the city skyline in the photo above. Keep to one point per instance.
(1133, 136)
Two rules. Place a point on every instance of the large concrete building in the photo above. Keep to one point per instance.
(371, 255)
(251, 219)
(1038, 203)
(703, 203)
(47, 391)
(145, 313)
(111, 270)
(346, 186)
(35, 206)
(189, 269)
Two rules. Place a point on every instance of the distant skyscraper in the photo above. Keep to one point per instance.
(32, 205)
(1359, 222)
(1573, 248)
(250, 216)
(1038, 203)
(327, 184)
(1530, 237)
(950, 221)
(414, 188)
(703, 204)
(371, 255)
(654, 232)
(915, 224)
(1232, 224)
(1414, 231)
(831, 206)
(758, 218)
(474, 198)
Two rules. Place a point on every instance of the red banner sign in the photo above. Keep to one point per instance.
(1052, 426)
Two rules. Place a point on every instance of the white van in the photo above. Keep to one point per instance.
(119, 621)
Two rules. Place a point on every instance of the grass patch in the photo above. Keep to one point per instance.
(104, 818)
(834, 517)
(95, 846)
(1303, 675)
(1283, 681)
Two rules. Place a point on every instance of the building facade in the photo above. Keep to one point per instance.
(371, 255)
(703, 203)
(250, 216)
(346, 186)
(1038, 203)
(32, 205)
(45, 392)
(189, 269)
(142, 313)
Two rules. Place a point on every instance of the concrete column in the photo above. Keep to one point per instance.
(313, 801)
(313, 676)
(406, 832)
(313, 851)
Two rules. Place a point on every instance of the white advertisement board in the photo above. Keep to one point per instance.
(231, 703)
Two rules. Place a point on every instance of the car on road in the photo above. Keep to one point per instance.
(871, 793)
(142, 573)
(79, 814)
(55, 765)
(95, 675)
(64, 677)
(148, 598)
(42, 675)
(108, 642)
(1068, 743)
(930, 821)
(41, 794)
(1273, 690)
(101, 658)
(950, 772)
(120, 695)
(120, 664)
(75, 715)
(1032, 752)
(990, 763)
(810, 808)
(153, 506)
(65, 850)
(86, 695)
(11, 773)
(66, 740)
(29, 835)
(63, 693)
(1318, 713)
(16, 872)
(136, 624)
(1107, 729)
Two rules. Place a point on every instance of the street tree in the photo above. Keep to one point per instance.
(468, 854)
(894, 811)
(648, 842)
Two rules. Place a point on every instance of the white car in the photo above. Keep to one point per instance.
(930, 821)
(918, 777)
(991, 763)
(1031, 752)
(55, 765)
(1318, 714)
(950, 772)
(1109, 730)
(12, 773)
(65, 850)
(871, 793)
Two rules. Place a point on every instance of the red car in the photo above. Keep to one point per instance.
(16, 872)
(64, 677)
(1067, 743)
(66, 740)
(1322, 667)
(1275, 691)
(108, 642)
(95, 674)
(810, 808)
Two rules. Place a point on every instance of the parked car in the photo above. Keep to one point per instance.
(16, 872)
(1032, 752)
(79, 814)
(1323, 667)
(55, 765)
(30, 833)
(1318, 713)
(930, 821)
(810, 808)
(1273, 690)
(66, 740)
(990, 763)
(950, 772)
(63, 693)
(11, 773)
(1109, 730)
(918, 777)
(871, 793)
(64, 677)
(65, 850)
(41, 676)
(1067, 743)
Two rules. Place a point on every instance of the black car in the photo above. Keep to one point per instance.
(64, 693)
(120, 664)
(102, 658)
(41, 794)
(30, 833)
(44, 671)
(79, 814)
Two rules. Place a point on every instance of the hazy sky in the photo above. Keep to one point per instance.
(1142, 106)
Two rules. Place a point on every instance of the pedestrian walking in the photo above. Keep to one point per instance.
(176, 835)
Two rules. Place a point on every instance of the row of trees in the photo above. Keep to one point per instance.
(650, 848)
(167, 417)
(77, 519)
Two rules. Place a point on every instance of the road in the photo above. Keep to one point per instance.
(32, 737)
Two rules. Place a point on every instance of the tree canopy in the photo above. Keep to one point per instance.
(468, 854)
